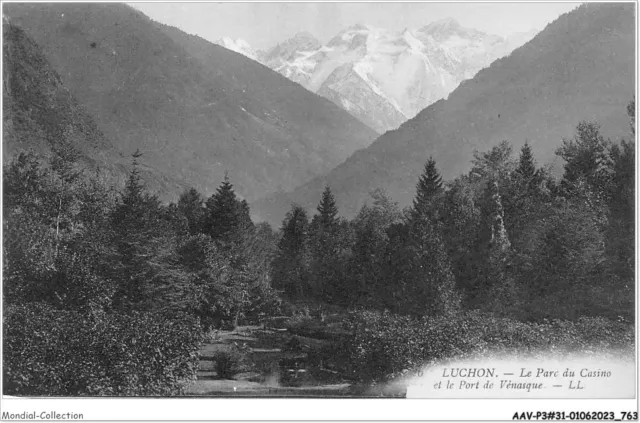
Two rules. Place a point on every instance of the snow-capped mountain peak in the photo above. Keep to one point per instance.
(443, 25)
(449, 27)
(305, 37)
(290, 48)
(239, 46)
(385, 77)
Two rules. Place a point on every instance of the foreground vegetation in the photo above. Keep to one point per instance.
(388, 346)
(110, 292)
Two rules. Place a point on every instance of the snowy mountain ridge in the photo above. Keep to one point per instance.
(385, 77)
(239, 46)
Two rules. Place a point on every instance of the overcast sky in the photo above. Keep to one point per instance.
(263, 25)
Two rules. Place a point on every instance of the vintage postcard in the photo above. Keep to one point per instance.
(319, 211)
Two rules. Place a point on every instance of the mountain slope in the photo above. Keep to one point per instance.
(188, 105)
(346, 87)
(384, 77)
(38, 109)
(580, 67)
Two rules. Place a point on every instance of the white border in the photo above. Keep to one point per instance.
(297, 409)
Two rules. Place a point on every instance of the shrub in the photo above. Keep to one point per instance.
(287, 308)
(228, 325)
(385, 345)
(301, 321)
(64, 353)
(226, 365)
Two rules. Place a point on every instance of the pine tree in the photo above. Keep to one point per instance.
(327, 234)
(526, 186)
(132, 200)
(327, 210)
(290, 267)
(418, 263)
(429, 186)
(223, 220)
(526, 164)
(524, 195)
(135, 220)
(136, 209)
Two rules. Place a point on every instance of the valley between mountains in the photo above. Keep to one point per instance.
(328, 217)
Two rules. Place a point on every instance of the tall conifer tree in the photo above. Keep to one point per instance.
(327, 210)
(290, 267)
(135, 220)
(429, 186)
(526, 163)
(326, 242)
(223, 218)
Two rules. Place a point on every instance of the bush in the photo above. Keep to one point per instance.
(64, 353)
(301, 321)
(287, 308)
(384, 345)
(228, 325)
(227, 364)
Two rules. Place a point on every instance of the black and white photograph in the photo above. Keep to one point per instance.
(409, 203)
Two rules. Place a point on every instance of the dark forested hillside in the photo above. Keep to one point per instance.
(195, 110)
(38, 108)
(581, 66)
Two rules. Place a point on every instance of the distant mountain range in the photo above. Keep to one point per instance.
(384, 77)
(194, 109)
(581, 66)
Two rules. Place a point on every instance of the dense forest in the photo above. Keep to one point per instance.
(107, 291)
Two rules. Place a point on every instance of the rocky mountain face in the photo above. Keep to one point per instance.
(288, 57)
(194, 109)
(384, 77)
(580, 67)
